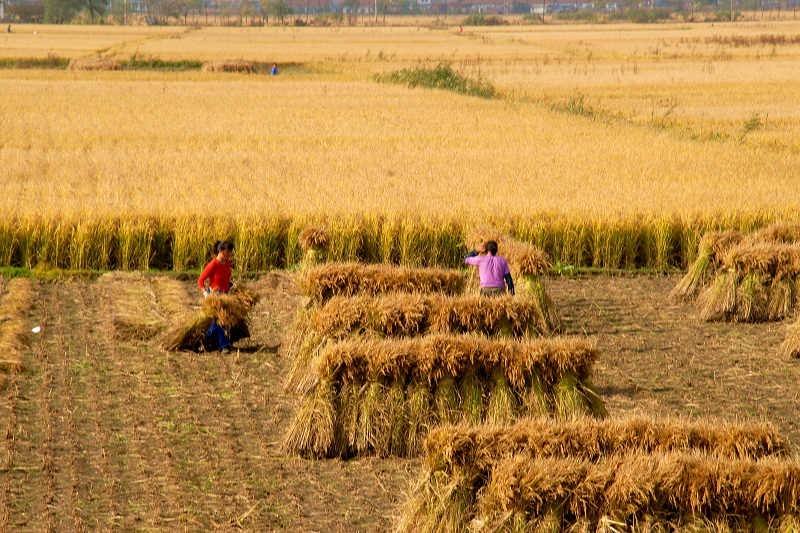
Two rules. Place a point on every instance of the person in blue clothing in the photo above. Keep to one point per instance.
(274, 69)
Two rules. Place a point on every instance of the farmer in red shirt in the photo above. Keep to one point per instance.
(216, 278)
(492, 269)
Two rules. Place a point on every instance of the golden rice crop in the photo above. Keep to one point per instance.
(432, 380)
(350, 279)
(229, 310)
(407, 315)
(466, 471)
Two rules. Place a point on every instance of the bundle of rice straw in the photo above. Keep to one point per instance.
(94, 63)
(480, 476)
(314, 242)
(231, 65)
(758, 282)
(229, 310)
(716, 244)
(408, 315)
(524, 259)
(381, 397)
(349, 279)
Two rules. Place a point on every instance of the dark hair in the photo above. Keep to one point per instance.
(221, 246)
(491, 247)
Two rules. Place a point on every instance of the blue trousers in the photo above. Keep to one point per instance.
(217, 334)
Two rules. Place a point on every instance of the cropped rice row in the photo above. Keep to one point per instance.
(630, 473)
(15, 302)
(182, 243)
(382, 396)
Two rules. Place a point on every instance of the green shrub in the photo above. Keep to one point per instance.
(479, 19)
(440, 77)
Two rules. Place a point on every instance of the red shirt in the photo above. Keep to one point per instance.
(219, 275)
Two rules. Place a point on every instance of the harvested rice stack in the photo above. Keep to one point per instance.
(15, 303)
(382, 396)
(229, 310)
(484, 476)
(758, 283)
(716, 244)
(134, 306)
(94, 63)
(349, 279)
(408, 315)
(246, 67)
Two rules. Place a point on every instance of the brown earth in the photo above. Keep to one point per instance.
(107, 433)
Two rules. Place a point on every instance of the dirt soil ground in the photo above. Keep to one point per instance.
(108, 433)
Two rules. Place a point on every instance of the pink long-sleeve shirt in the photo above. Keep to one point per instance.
(491, 269)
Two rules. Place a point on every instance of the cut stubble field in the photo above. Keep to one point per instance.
(117, 433)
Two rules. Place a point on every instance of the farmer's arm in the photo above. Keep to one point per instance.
(508, 279)
(207, 272)
(472, 258)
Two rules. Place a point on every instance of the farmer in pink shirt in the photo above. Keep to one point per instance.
(492, 269)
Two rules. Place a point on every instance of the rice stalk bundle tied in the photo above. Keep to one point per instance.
(758, 283)
(437, 379)
(349, 279)
(713, 246)
(754, 254)
(477, 447)
(410, 315)
(238, 65)
(675, 487)
(477, 457)
(229, 310)
(313, 238)
(94, 63)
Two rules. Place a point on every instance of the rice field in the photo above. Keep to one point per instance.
(621, 144)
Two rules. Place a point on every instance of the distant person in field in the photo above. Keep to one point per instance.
(493, 270)
(216, 278)
(274, 69)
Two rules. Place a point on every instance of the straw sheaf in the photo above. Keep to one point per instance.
(349, 279)
(775, 260)
(434, 357)
(476, 448)
(94, 63)
(229, 310)
(314, 239)
(398, 315)
(242, 66)
(672, 485)
(776, 233)
(134, 309)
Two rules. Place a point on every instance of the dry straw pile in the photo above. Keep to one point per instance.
(382, 396)
(349, 279)
(234, 65)
(624, 474)
(745, 278)
(229, 310)
(94, 63)
(407, 315)
(135, 313)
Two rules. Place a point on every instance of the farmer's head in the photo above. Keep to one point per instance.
(223, 250)
(491, 247)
